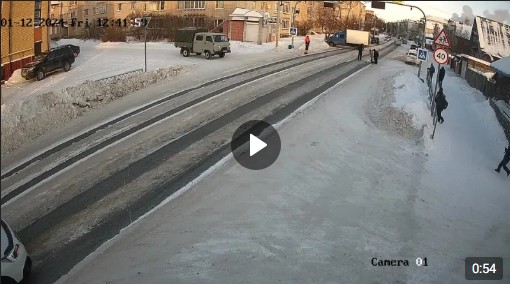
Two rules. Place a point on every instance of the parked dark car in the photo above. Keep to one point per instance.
(74, 48)
(375, 39)
(48, 62)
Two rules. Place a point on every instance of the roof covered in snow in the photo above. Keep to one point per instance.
(502, 66)
(463, 31)
(494, 37)
(245, 14)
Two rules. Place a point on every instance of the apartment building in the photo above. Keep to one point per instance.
(198, 11)
(23, 35)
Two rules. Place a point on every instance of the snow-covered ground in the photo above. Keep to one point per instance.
(357, 178)
(31, 108)
(99, 60)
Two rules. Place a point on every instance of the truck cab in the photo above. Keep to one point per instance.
(337, 38)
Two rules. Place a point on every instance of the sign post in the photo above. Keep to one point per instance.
(423, 54)
(442, 40)
(441, 57)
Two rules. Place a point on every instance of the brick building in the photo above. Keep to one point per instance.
(22, 36)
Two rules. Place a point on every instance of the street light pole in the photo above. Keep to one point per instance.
(279, 3)
(424, 27)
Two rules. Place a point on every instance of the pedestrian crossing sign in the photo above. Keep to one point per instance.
(423, 54)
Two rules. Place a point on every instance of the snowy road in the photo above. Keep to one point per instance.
(89, 203)
(353, 182)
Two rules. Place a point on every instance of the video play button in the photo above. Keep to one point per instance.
(255, 145)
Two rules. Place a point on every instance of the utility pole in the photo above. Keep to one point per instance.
(294, 20)
(278, 8)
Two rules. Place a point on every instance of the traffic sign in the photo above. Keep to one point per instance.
(442, 39)
(423, 54)
(293, 31)
(440, 56)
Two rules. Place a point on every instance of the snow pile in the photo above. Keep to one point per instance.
(25, 120)
(15, 78)
(411, 96)
(399, 106)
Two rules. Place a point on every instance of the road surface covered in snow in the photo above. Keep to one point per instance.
(357, 178)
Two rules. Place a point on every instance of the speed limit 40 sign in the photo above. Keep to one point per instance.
(440, 56)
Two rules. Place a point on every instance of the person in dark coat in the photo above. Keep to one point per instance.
(441, 104)
(432, 70)
(441, 76)
(307, 44)
(376, 55)
(505, 161)
(360, 51)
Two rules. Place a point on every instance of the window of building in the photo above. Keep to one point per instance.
(73, 14)
(37, 13)
(160, 5)
(285, 24)
(101, 8)
(192, 5)
(286, 8)
(37, 48)
(218, 22)
(119, 7)
(219, 4)
(145, 6)
(133, 5)
(71, 3)
(86, 12)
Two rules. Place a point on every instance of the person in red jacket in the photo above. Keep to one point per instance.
(307, 44)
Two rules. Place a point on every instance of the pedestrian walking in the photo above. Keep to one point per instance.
(360, 51)
(376, 55)
(441, 76)
(441, 104)
(505, 161)
(307, 44)
(432, 70)
(371, 55)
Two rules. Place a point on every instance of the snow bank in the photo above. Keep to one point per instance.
(399, 106)
(25, 120)
(15, 78)
(411, 96)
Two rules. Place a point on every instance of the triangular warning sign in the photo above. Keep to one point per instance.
(442, 39)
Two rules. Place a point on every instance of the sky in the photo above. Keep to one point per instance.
(495, 10)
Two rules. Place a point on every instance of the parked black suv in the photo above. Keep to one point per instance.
(48, 62)
(375, 39)
(74, 48)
